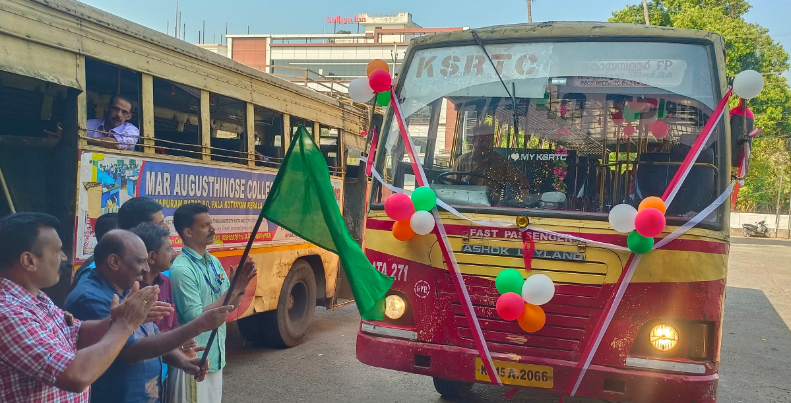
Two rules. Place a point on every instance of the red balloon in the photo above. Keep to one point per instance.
(399, 207)
(628, 130)
(380, 80)
(510, 306)
(649, 222)
(617, 118)
(659, 129)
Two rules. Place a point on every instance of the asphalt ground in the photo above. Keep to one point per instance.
(755, 367)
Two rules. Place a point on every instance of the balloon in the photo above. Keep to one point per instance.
(424, 198)
(422, 222)
(661, 113)
(402, 231)
(659, 129)
(628, 130)
(509, 280)
(652, 202)
(383, 98)
(638, 243)
(638, 106)
(532, 319)
(617, 118)
(648, 120)
(649, 222)
(622, 218)
(630, 115)
(380, 80)
(399, 207)
(376, 64)
(360, 91)
(510, 306)
(748, 84)
(538, 289)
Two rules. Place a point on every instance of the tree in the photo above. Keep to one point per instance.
(748, 46)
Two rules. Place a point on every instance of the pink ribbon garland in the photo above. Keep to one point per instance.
(447, 252)
(369, 164)
(528, 246)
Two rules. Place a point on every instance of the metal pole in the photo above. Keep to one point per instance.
(6, 192)
(779, 193)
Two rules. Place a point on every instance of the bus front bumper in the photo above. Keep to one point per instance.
(614, 384)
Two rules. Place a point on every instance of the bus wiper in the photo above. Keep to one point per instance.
(510, 94)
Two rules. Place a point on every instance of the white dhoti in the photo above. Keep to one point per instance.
(210, 390)
(183, 388)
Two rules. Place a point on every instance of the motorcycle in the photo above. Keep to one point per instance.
(759, 230)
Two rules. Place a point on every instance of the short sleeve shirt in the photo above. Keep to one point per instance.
(199, 281)
(169, 322)
(122, 382)
(36, 346)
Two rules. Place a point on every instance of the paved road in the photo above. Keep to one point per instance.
(755, 368)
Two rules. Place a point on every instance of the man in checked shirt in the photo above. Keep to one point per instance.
(45, 354)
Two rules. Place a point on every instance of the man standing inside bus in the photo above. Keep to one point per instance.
(495, 170)
(114, 130)
(200, 283)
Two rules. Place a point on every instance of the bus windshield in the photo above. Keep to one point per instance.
(572, 127)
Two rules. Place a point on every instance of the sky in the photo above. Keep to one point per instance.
(310, 16)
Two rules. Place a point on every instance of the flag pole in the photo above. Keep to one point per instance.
(242, 260)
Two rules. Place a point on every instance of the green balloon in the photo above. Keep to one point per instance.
(638, 243)
(383, 98)
(424, 198)
(661, 114)
(630, 115)
(509, 280)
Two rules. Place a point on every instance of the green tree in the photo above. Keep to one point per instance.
(748, 46)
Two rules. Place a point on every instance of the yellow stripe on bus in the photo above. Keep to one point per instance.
(238, 252)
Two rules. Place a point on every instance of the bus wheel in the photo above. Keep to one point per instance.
(452, 389)
(287, 325)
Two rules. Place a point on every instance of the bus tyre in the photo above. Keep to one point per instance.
(452, 389)
(287, 325)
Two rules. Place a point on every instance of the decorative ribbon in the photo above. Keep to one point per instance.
(372, 153)
(528, 246)
(447, 252)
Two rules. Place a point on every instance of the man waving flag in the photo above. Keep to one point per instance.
(302, 201)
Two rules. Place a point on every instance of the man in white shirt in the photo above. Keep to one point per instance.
(114, 131)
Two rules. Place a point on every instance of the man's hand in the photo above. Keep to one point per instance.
(57, 134)
(159, 311)
(191, 366)
(136, 306)
(213, 318)
(191, 349)
(247, 273)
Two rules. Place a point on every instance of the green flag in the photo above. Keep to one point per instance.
(302, 201)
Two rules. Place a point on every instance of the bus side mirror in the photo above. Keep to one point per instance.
(741, 126)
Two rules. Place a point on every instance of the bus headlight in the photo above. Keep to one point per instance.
(394, 307)
(663, 337)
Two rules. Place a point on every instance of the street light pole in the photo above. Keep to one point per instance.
(779, 193)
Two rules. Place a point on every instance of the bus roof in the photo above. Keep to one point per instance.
(570, 30)
(85, 12)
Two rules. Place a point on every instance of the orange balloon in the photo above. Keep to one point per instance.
(402, 230)
(652, 202)
(532, 319)
(376, 64)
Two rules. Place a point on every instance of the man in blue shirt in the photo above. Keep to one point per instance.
(135, 376)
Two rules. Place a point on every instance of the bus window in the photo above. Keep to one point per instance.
(176, 119)
(328, 142)
(269, 145)
(228, 129)
(295, 122)
(113, 94)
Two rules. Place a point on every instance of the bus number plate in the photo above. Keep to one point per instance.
(512, 373)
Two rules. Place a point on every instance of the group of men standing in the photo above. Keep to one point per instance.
(123, 319)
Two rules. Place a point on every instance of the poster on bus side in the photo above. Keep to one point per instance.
(234, 196)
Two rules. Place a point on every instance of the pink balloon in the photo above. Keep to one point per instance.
(617, 118)
(399, 207)
(380, 80)
(659, 129)
(563, 131)
(628, 130)
(649, 222)
(510, 306)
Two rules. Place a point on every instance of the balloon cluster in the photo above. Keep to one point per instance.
(642, 224)
(412, 215)
(647, 112)
(377, 83)
(520, 299)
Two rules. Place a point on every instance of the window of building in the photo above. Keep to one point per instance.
(113, 123)
(176, 119)
(228, 129)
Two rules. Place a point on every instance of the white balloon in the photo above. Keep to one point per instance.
(649, 121)
(748, 84)
(538, 289)
(360, 91)
(622, 218)
(422, 222)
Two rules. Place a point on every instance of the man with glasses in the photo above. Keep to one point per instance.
(114, 131)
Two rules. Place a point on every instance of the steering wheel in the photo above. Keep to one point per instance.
(443, 177)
